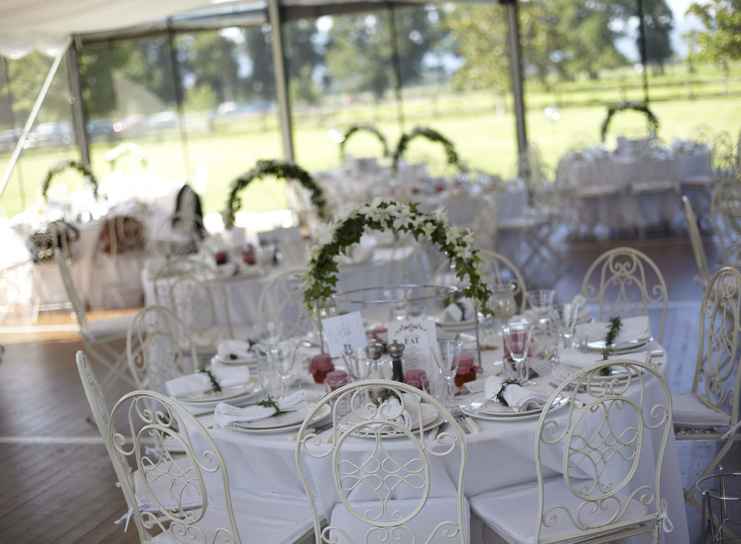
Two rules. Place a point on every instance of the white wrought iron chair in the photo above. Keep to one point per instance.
(701, 260)
(593, 432)
(384, 494)
(203, 306)
(711, 410)
(98, 335)
(625, 282)
(725, 211)
(158, 348)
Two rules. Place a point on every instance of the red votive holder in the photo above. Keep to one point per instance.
(417, 377)
(466, 369)
(320, 366)
(336, 379)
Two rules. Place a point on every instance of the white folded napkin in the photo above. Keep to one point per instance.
(580, 359)
(238, 348)
(632, 329)
(519, 398)
(194, 384)
(226, 414)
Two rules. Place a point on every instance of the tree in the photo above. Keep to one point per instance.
(360, 48)
(720, 42)
(261, 80)
(560, 38)
(210, 59)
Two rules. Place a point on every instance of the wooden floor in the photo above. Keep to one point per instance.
(57, 485)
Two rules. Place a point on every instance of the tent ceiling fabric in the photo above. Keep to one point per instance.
(45, 25)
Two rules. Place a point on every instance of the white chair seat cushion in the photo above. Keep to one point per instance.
(115, 327)
(689, 411)
(436, 510)
(262, 520)
(512, 512)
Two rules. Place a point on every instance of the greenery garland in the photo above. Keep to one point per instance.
(71, 165)
(363, 128)
(451, 154)
(640, 107)
(400, 218)
(612, 333)
(279, 169)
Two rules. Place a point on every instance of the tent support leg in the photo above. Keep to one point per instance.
(32, 117)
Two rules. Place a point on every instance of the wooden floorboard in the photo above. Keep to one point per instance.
(64, 493)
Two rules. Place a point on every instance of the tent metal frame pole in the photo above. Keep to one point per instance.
(11, 111)
(518, 86)
(79, 117)
(32, 117)
(281, 79)
(396, 62)
(643, 50)
(177, 83)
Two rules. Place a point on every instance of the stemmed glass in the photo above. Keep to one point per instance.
(282, 361)
(516, 337)
(447, 363)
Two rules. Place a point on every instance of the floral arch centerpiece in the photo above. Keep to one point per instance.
(282, 170)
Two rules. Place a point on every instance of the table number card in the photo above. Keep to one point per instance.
(344, 331)
(419, 336)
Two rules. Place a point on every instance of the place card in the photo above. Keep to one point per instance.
(343, 332)
(419, 336)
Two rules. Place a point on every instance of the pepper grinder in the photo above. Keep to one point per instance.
(396, 351)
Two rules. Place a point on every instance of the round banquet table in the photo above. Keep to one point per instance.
(386, 266)
(500, 456)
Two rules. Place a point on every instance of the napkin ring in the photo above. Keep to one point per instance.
(500, 395)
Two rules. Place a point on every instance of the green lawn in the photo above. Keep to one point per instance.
(484, 139)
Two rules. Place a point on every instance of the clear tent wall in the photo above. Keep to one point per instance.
(206, 93)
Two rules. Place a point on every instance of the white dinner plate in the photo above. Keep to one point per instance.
(226, 393)
(494, 411)
(284, 422)
(622, 347)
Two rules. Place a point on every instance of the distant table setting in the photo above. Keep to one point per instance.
(636, 185)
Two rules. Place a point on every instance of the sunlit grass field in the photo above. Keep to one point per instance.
(478, 123)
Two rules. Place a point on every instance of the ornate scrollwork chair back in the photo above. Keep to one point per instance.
(158, 348)
(717, 380)
(166, 273)
(698, 250)
(382, 484)
(500, 271)
(598, 425)
(189, 498)
(625, 282)
(195, 300)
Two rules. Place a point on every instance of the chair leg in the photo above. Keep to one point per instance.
(115, 365)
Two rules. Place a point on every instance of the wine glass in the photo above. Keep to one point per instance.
(447, 363)
(516, 337)
(282, 360)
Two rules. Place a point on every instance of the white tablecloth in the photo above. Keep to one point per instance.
(386, 266)
(499, 456)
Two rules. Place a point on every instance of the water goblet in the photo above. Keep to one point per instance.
(282, 361)
(447, 363)
(516, 337)
(541, 300)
